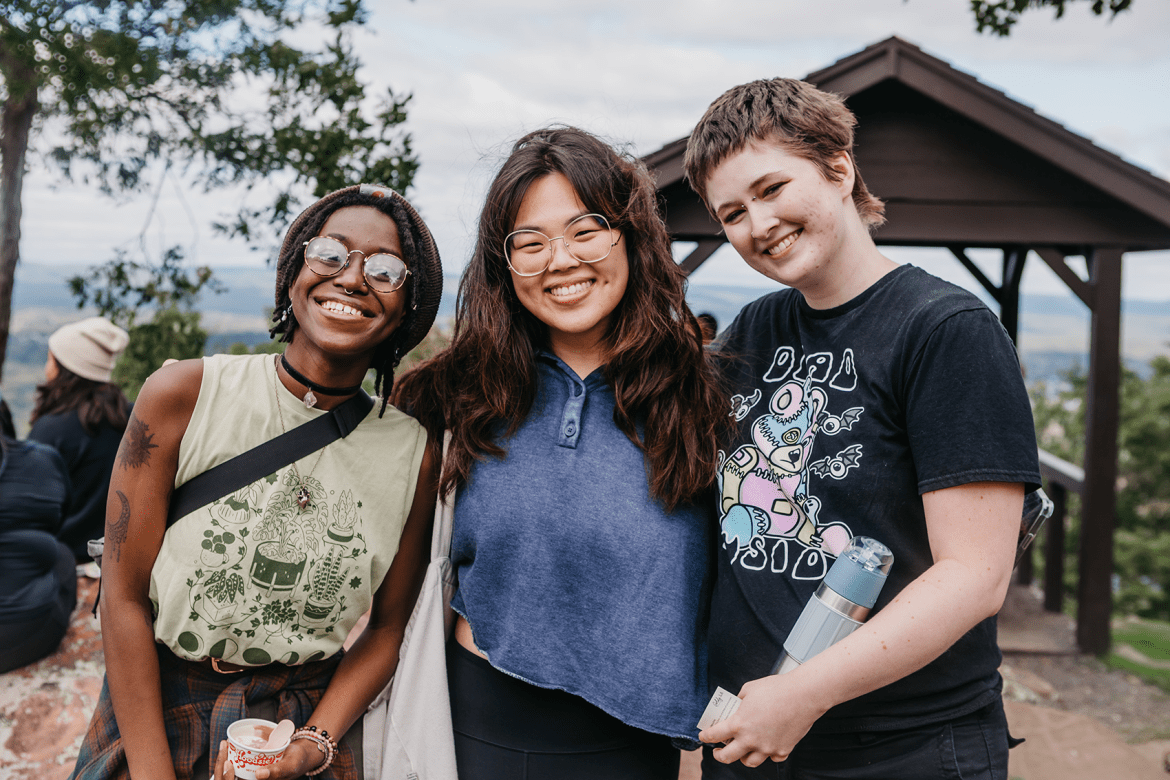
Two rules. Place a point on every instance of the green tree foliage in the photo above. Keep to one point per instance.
(214, 88)
(121, 288)
(1142, 538)
(171, 333)
(263, 348)
(434, 343)
(999, 16)
(313, 137)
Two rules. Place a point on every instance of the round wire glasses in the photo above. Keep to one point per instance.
(587, 239)
(327, 256)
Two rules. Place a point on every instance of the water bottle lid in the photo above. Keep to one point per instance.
(860, 571)
(869, 553)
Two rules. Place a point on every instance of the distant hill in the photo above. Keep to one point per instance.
(1054, 330)
(248, 292)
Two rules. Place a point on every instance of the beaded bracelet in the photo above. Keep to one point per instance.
(324, 742)
(324, 735)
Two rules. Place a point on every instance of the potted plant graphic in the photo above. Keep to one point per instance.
(345, 515)
(215, 547)
(240, 507)
(287, 533)
(219, 596)
(327, 578)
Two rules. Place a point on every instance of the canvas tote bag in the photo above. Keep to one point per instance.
(407, 729)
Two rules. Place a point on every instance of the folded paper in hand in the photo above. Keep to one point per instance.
(721, 707)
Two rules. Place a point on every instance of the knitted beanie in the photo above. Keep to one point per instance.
(89, 348)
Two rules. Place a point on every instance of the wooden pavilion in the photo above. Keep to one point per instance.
(960, 165)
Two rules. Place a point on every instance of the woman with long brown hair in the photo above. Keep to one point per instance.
(584, 416)
(82, 414)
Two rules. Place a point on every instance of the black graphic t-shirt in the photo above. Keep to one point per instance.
(845, 417)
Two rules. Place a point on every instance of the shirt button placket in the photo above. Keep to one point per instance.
(571, 419)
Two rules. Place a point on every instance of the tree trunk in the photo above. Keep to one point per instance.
(16, 118)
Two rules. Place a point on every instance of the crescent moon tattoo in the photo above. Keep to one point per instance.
(116, 533)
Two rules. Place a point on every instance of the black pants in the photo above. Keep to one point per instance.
(506, 729)
(31, 640)
(970, 747)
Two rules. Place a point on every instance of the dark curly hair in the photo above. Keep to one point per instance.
(390, 352)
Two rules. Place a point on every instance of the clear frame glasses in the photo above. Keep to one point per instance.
(587, 239)
(327, 256)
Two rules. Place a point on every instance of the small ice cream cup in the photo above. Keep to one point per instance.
(246, 741)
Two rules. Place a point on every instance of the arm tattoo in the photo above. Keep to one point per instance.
(136, 445)
(116, 533)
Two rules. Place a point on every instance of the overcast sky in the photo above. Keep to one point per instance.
(640, 74)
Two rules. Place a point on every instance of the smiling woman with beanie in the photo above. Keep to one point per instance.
(241, 606)
(82, 414)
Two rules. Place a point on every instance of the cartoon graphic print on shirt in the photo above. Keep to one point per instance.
(768, 512)
(271, 572)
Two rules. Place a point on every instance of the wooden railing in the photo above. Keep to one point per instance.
(1060, 478)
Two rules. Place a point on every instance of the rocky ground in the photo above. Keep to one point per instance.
(1073, 709)
(1136, 710)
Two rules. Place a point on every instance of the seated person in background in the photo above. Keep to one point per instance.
(872, 399)
(82, 414)
(38, 582)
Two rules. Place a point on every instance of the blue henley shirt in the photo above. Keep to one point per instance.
(573, 576)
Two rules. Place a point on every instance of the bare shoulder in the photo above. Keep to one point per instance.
(161, 414)
(175, 386)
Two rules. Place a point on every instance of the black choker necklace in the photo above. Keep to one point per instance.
(310, 400)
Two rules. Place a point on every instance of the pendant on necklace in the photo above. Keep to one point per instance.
(310, 400)
(304, 498)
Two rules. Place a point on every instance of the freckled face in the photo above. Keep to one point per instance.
(781, 214)
(336, 322)
(574, 299)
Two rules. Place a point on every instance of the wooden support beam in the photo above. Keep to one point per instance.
(1057, 263)
(1060, 478)
(1026, 568)
(1009, 295)
(1095, 570)
(1054, 549)
(961, 254)
(699, 254)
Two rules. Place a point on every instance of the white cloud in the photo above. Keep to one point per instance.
(642, 73)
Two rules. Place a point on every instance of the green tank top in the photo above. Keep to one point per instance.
(253, 578)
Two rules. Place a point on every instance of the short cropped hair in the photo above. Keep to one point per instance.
(795, 115)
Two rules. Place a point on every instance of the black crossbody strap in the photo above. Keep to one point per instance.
(269, 457)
